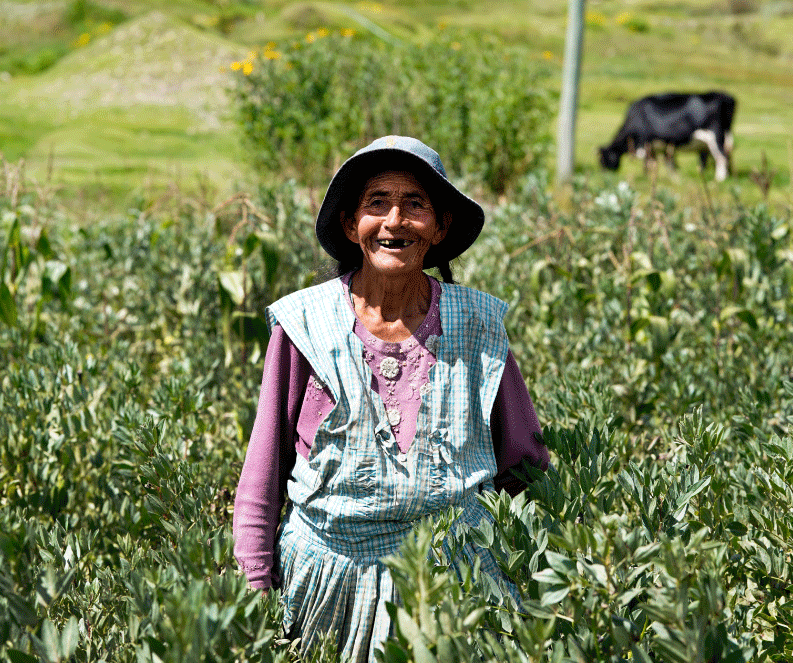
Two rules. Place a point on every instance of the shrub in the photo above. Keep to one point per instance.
(307, 106)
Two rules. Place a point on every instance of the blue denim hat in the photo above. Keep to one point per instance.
(411, 155)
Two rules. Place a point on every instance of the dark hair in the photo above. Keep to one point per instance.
(354, 261)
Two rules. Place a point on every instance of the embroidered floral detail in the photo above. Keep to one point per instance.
(432, 343)
(389, 368)
(394, 416)
(425, 389)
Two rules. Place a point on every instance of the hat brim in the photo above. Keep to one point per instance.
(467, 215)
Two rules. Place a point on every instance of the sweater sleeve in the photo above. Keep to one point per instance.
(269, 459)
(514, 424)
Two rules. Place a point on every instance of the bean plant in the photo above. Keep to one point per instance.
(654, 338)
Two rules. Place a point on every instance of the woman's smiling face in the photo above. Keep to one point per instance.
(394, 224)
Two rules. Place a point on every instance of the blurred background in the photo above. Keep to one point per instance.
(105, 97)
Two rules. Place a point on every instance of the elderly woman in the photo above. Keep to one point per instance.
(387, 397)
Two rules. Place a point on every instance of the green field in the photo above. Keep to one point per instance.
(651, 316)
(137, 96)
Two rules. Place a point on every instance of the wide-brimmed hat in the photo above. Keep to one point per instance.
(411, 155)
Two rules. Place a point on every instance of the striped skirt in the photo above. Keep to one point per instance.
(331, 587)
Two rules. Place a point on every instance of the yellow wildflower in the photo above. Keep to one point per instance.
(322, 32)
(547, 55)
(456, 45)
(270, 46)
(247, 67)
(311, 38)
(82, 40)
(623, 18)
(347, 32)
(271, 55)
(236, 66)
(105, 27)
(597, 19)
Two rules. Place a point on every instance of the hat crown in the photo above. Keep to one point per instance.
(409, 145)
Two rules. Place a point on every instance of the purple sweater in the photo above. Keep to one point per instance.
(292, 405)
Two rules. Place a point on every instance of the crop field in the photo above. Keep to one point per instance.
(161, 168)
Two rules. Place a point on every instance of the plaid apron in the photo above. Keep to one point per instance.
(356, 496)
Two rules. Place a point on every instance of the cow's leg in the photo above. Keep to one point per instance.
(650, 162)
(708, 138)
(729, 144)
(669, 156)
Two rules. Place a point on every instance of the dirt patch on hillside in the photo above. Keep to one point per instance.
(152, 60)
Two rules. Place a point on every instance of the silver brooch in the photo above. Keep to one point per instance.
(394, 416)
(316, 383)
(389, 368)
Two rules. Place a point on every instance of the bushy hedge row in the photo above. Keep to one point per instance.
(655, 342)
(305, 107)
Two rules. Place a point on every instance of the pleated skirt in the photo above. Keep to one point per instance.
(330, 587)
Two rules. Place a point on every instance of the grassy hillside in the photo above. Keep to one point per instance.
(117, 94)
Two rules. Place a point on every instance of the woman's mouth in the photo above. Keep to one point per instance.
(394, 243)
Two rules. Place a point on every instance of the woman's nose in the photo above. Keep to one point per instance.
(394, 216)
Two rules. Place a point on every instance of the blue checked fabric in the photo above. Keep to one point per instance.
(357, 495)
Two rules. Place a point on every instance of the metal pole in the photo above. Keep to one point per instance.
(574, 40)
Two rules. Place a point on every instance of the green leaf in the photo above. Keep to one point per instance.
(536, 609)
(8, 307)
(234, 285)
(473, 618)
(737, 528)
(407, 627)
(681, 503)
(596, 572)
(748, 317)
(517, 558)
(542, 540)
(272, 259)
(554, 595)
(548, 577)
(156, 646)
(561, 563)
(16, 656)
(639, 655)
(743, 314)
(21, 610)
(446, 650)
(48, 643)
(70, 637)
(422, 652)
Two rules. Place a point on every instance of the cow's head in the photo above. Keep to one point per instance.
(609, 158)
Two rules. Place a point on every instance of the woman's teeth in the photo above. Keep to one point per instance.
(394, 243)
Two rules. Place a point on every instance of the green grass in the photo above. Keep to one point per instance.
(142, 101)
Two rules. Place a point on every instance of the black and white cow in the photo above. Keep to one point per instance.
(672, 121)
